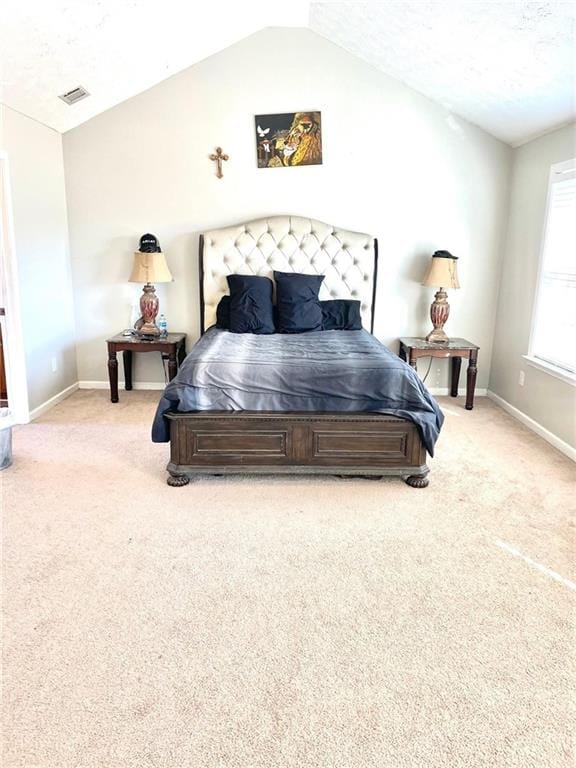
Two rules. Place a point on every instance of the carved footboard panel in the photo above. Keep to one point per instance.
(212, 442)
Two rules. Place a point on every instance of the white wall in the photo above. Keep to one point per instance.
(544, 398)
(43, 262)
(395, 165)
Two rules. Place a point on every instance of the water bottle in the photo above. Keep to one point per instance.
(162, 325)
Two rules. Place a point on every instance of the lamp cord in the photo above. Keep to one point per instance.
(428, 371)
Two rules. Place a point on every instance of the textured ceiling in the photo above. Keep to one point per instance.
(506, 65)
(115, 48)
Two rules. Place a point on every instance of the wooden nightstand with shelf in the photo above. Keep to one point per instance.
(172, 347)
(412, 348)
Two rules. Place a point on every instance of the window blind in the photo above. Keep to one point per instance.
(554, 330)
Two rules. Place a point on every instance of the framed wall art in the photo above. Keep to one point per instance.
(288, 139)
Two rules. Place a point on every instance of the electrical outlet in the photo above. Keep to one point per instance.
(521, 378)
(54, 365)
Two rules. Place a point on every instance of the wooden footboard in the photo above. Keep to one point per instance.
(215, 442)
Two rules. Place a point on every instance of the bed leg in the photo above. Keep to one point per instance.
(177, 480)
(418, 481)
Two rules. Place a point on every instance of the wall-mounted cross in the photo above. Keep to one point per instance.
(218, 157)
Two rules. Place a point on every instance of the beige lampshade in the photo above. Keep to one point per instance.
(443, 272)
(150, 268)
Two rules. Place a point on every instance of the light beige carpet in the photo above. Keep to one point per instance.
(284, 622)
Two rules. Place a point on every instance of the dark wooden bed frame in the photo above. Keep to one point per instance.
(311, 442)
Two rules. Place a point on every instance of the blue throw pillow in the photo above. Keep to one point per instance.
(250, 304)
(341, 315)
(297, 300)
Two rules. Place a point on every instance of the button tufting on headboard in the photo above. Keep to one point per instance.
(290, 244)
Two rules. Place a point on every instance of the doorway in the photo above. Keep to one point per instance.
(13, 365)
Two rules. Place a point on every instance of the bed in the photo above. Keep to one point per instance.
(327, 402)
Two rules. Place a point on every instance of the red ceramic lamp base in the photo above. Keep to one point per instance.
(146, 325)
(439, 313)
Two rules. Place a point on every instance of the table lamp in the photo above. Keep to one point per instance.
(442, 274)
(149, 267)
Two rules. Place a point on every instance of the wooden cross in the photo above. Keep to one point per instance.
(218, 157)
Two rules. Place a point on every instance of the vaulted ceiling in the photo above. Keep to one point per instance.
(115, 48)
(507, 65)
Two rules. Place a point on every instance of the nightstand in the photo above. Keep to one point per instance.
(172, 347)
(413, 348)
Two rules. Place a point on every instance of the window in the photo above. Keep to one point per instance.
(553, 339)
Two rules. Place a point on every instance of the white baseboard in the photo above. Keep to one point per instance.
(160, 385)
(436, 391)
(136, 385)
(36, 412)
(550, 437)
(53, 401)
(445, 391)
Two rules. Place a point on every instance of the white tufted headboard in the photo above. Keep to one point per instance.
(348, 260)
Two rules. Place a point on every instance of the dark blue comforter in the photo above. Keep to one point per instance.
(319, 371)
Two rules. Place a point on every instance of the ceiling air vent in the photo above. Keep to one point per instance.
(76, 94)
